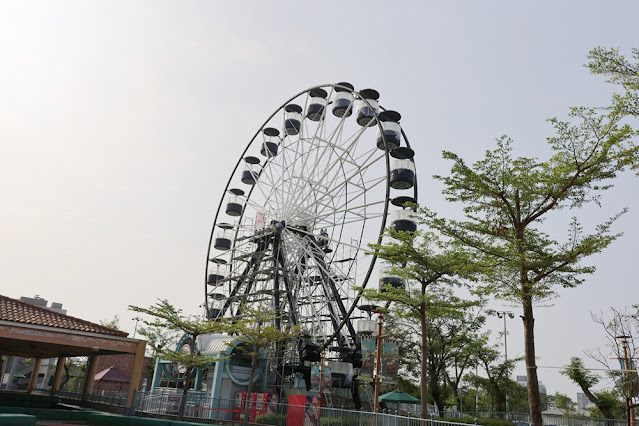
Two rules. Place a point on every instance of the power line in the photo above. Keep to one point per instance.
(589, 369)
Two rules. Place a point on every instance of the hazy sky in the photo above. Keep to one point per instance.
(120, 122)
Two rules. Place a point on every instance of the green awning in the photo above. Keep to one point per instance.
(399, 396)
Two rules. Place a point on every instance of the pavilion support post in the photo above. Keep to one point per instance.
(34, 375)
(134, 383)
(90, 377)
(57, 377)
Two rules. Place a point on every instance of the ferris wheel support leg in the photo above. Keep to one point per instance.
(337, 297)
(253, 264)
(357, 399)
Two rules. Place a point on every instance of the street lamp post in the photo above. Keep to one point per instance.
(135, 330)
(503, 314)
(500, 315)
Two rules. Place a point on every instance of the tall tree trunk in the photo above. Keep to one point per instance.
(185, 392)
(435, 389)
(534, 399)
(424, 363)
(499, 398)
(249, 389)
(66, 376)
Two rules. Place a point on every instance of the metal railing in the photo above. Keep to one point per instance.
(165, 403)
(199, 408)
(548, 419)
(116, 398)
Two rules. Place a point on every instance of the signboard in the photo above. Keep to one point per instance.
(369, 352)
(303, 410)
(260, 221)
(390, 361)
(315, 378)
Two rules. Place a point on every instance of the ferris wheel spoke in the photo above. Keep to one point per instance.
(355, 204)
(351, 214)
(350, 203)
(334, 169)
(327, 146)
(348, 179)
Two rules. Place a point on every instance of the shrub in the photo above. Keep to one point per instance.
(275, 419)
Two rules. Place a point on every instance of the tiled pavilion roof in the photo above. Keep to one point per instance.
(17, 311)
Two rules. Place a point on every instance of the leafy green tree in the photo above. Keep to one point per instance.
(621, 71)
(158, 340)
(450, 340)
(564, 403)
(425, 263)
(405, 330)
(166, 316)
(111, 323)
(506, 200)
(255, 330)
(464, 342)
(586, 380)
(407, 385)
(497, 382)
(609, 399)
(618, 322)
(74, 372)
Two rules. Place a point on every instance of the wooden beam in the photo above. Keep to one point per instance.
(79, 339)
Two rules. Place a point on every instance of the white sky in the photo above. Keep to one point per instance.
(120, 122)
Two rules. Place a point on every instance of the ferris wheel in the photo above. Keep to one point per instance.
(318, 182)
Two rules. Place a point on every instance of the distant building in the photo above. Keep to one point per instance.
(38, 301)
(583, 403)
(523, 380)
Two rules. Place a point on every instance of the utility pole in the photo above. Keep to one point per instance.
(629, 407)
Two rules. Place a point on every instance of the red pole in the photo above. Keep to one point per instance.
(321, 380)
(380, 320)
